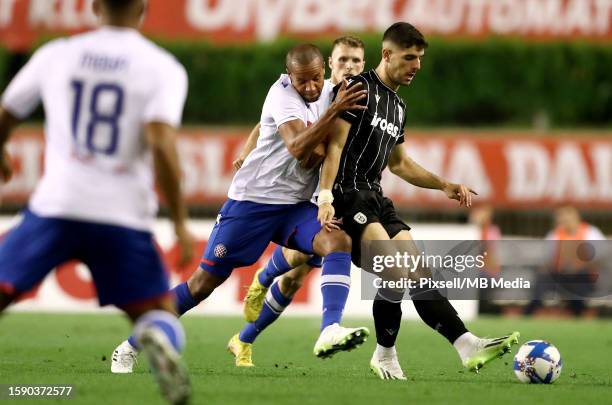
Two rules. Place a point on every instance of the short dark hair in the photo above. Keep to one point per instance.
(303, 54)
(352, 42)
(116, 6)
(405, 35)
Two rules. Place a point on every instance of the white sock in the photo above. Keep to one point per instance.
(465, 344)
(384, 352)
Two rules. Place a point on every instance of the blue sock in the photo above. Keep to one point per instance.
(335, 286)
(315, 261)
(166, 323)
(184, 302)
(277, 265)
(274, 304)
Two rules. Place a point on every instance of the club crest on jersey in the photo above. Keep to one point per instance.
(220, 251)
(385, 126)
(360, 218)
(377, 98)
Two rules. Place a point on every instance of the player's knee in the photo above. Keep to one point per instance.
(201, 284)
(339, 242)
(295, 258)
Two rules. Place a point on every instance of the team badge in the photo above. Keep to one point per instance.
(220, 251)
(360, 218)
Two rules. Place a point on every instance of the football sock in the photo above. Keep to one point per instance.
(465, 344)
(166, 323)
(315, 261)
(276, 266)
(184, 302)
(382, 352)
(335, 286)
(274, 305)
(387, 319)
(438, 313)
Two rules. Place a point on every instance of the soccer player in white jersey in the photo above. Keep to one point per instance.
(347, 59)
(269, 201)
(112, 102)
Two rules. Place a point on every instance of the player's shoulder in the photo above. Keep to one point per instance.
(282, 88)
(51, 48)
(158, 55)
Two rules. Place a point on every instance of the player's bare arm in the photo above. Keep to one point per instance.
(248, 147)
(403, 166)
(7, 122)
(301, 140)
(161, 138)
(329, 171)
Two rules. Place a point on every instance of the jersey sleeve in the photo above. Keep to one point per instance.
(400, 138)
(354, 115)
(168, 99)
(23, 94)
(285, 105)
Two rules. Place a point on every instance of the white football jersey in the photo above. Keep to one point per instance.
(98, 90)
(270, 174)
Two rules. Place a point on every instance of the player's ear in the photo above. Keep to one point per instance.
(386, 54)
(329, 62)
(96, 8)
(142, 12)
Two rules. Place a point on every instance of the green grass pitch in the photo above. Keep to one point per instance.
(76, 349)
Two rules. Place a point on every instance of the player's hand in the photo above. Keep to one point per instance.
(315, 158)
(237, 164)
(348, 98)
(186, 243)
(6, 171)
(326, 217)
(459, 192)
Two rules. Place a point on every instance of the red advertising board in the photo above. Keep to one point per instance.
(509, 169)
(23, 21)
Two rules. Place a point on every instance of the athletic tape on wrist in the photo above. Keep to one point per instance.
(325, 196)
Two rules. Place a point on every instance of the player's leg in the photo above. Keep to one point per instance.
(438, 313)
(307, 235)
(276, 300)
(238, 239)
(387, 313)
(30, 251)
(282, 261)
(129, 273)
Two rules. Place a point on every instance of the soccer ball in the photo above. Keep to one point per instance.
(537, 362)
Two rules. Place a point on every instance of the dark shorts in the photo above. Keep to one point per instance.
(244, 229)
(360, 208)
(124, 263)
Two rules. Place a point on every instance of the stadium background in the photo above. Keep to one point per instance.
(514, 99)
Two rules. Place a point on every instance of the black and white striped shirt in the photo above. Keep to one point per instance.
(374, 133)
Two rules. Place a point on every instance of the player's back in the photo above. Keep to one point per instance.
(98, 90)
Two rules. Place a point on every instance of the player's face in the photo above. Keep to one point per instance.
(403, 63)
(345, 61)
(308, 79)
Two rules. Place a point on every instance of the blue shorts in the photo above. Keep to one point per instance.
(244, 229)
(124, 264)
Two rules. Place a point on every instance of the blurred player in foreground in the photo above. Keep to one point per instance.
(112, 100)
(364, 142)
(347, 59)
(269, 201)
